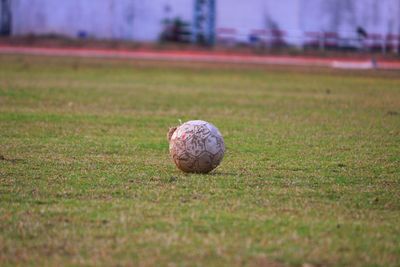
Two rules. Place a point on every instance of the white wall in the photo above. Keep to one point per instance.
(246, 16)
(118, 19)
(344, 16)
(149, 15)
(141, 20)
(295, 17)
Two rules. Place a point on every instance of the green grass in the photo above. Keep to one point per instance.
(311, 174)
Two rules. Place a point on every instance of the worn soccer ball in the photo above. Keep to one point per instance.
(196, 146)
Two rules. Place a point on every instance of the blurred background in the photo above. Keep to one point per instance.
(365, 25)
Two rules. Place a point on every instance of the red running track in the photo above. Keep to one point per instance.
(200, 56)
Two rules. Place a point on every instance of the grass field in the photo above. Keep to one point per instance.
(311, 175)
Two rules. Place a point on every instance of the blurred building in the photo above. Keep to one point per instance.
(267, 22)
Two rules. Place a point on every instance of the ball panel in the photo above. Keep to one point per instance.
(185, 162)
(213, 144)
(204, 163)
(201, 130)
(213, 129)
(217, 158)
(177, 147)
(195, 145)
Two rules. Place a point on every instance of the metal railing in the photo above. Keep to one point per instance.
(321, 40)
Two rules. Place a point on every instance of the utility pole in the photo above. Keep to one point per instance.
(203, 30)
(5, 17)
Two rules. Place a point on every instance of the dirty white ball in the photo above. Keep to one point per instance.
(196, 146)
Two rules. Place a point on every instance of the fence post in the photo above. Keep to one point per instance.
(383, 43)
(321, 40)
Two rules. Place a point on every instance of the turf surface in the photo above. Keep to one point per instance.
(310, 177)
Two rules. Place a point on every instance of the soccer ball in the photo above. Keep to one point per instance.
(196, 146)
